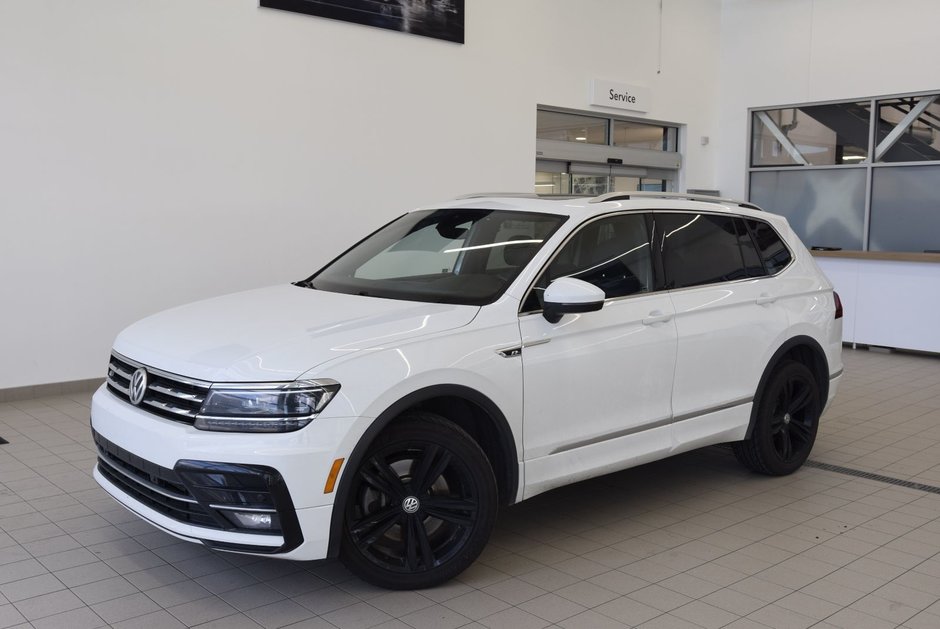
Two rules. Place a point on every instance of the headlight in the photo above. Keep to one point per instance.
(264, 407)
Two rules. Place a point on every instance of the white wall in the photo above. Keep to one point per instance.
(777, 52)
(153, 153)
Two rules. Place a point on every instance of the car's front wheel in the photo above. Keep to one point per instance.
(421, 505)
(785, 424)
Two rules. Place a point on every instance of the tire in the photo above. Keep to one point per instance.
(785, 424)
(421, 506)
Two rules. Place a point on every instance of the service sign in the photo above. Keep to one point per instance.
(620, 95)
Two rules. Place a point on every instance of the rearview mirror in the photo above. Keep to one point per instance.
(568, 295)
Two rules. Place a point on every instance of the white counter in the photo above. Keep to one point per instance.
(890, 300)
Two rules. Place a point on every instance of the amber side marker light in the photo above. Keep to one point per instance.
(331, 479)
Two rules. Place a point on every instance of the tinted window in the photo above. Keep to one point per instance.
(752, 262)
(456, 256)
(611, 253)
(771, 248)
(699, 249)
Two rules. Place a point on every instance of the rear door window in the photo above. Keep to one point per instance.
(699, 249)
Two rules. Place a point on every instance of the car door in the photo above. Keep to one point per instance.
(597, 385)
(727, 318)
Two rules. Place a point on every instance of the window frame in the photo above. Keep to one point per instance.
(657, 256)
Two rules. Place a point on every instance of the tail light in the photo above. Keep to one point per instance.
(838, 305)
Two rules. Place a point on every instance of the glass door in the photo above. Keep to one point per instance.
(646, 184)
(548, 182)
(586, 179)
(589, 185)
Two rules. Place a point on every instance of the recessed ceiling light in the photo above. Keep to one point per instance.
(581, 138)
(846, 158)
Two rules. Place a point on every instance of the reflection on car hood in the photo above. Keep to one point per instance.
(278, 333)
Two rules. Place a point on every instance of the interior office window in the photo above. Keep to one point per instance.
(611, 253)
(699, 249)
(905, 209)
(556, 125)
(817, 135)
(908, 129)
(871, 146)
(774, 253)
(825, 207)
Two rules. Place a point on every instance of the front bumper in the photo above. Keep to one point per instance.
(313, 520)
(156, 448)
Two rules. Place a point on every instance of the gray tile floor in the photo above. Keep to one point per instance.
(694, 541)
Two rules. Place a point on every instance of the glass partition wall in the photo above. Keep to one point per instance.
(859, 174)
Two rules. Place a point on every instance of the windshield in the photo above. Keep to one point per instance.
(457, 256)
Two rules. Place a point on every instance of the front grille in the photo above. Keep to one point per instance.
(157, 487)
(168, 395)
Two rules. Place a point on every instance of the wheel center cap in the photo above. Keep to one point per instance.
(410, 504)
(786, 418)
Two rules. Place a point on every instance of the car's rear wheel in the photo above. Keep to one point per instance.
(785, 424)
(421, 505)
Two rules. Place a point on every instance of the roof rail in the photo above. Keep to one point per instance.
(625, 196)
(519, 195)
(477, 195)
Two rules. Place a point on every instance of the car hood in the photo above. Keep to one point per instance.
(278, 333)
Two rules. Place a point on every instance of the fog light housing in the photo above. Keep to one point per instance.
(255, 520)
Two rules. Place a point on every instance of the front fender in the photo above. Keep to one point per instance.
(378, 385)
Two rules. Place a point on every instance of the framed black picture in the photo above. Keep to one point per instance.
(441, 19)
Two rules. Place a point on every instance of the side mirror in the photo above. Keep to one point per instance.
(567, 294)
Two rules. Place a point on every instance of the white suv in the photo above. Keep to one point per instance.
(475, 353)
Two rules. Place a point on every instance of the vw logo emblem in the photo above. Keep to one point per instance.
(138, 386)
(410, 504)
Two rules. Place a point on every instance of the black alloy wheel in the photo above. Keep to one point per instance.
(786, 423)
(791, 425)
(421, 505)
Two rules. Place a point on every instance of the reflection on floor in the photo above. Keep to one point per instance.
(694, 541)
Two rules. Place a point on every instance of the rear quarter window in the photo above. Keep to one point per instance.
(770, 246)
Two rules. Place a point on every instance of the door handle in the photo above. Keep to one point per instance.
(656, 316)
(765, 299)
